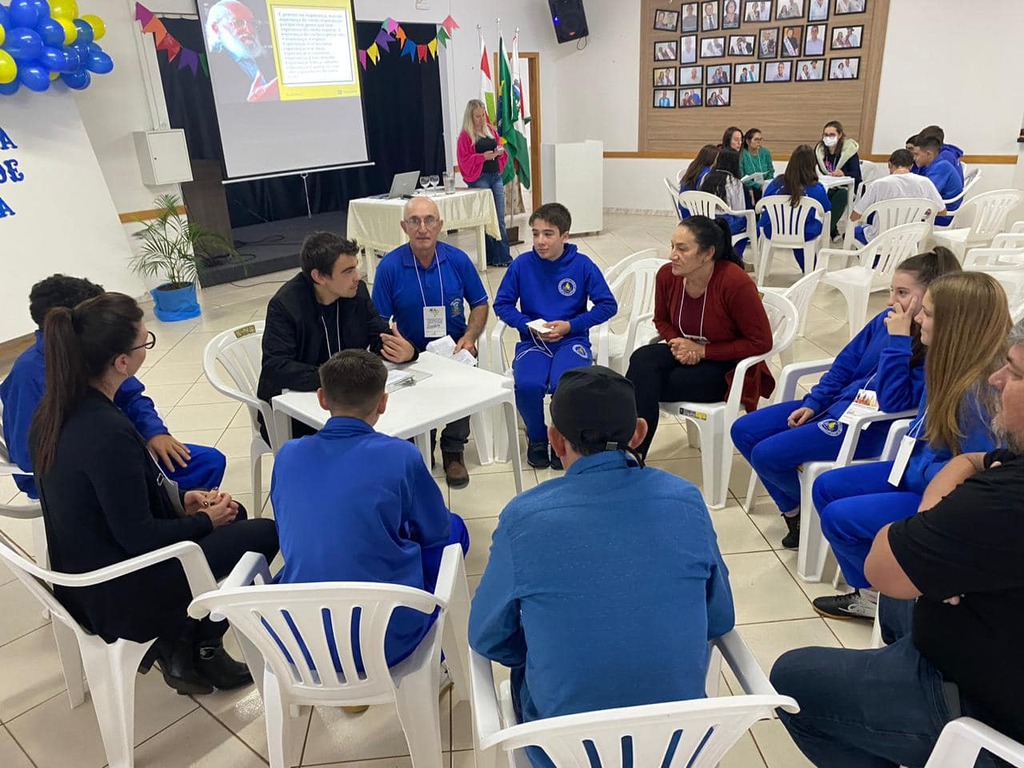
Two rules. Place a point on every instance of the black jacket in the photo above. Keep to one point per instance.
(295, 343)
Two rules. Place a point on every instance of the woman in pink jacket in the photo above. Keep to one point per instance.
(482, 159)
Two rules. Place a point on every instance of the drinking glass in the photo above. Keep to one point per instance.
(434, 180)
(424, 183)
(449, 183)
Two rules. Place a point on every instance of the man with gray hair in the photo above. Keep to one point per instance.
(231, 27)
(952, 652)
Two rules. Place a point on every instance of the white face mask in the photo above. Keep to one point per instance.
(830, 141)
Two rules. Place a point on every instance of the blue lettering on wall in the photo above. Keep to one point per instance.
(6, 142)
(5, 209)
(8, 172)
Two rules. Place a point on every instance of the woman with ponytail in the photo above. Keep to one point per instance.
(709, 316)
(105, 501)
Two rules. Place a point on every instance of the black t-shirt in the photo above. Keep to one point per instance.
(487, 144)
(972, 544)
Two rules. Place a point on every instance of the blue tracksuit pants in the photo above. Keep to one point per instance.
(774, 451)
(537, 371)
(205, 469)
(855, 503)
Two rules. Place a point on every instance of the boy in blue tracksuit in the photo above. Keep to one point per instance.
(947, 177)
(553, 282)
(190, 466)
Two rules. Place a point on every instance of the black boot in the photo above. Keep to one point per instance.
(177, 662)
(218, 668)
(792, 538)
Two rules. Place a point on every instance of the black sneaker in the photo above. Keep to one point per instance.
(537, 455)
(851, 606)
(792, 539)
(556, 463)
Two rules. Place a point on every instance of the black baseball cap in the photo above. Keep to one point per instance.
(595, 405)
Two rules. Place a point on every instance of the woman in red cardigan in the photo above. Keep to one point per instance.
(709, 313)
(482, 160)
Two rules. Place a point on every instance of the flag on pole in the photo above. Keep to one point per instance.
(508, 116)
(517, 87)
(486, 83)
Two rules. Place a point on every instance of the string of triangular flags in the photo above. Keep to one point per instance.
(391, 32)
(165, 41)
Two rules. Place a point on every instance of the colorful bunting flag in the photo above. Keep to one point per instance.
(421, 52)
(362, 58)
(374, 53)
(392, 25)
(143, 14)
(383, 39)
(449, 25)
(409, 49)
(432, 47)
(166, 42)
(391, 30)
(189, 59)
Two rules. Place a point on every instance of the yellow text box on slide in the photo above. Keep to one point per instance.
(314, 48)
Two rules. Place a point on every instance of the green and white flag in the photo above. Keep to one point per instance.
(510, 118)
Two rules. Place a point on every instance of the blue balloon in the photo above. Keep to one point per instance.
(5, 21)
(53, 59)
(51, 32)
(77, 80)
(43, 8)
(23, 13)
(34, 77)
(23, 44)
(99, 61)
(73, 60)
(85, 33)
(8, 89)
(82, 49)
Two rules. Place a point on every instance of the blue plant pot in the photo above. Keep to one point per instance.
(175, 303)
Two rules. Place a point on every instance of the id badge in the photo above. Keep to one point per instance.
(702, 340)
(864, 404)
(899, 465)
(434, 322)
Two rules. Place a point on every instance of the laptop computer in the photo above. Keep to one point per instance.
(402, 185)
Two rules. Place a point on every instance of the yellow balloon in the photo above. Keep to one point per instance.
(3, 35)
(99, 29)
(64, 9)
(8, 69)
(70, 30)
(54, 75)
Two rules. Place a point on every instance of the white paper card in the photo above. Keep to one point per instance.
(445, 347)
(899, 466)
(434, 322)
(865, 404)
(540, 326)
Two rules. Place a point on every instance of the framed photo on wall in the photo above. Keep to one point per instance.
(792, 41)
(818, 10)
(810, 69)
(664, 76)
(850, 6)
(757, 11)
(847, 37)
(690, 98)
(742, 45)
(687, 49)
(709, 16)
(689, 20)
(691, 75)
(712, 47)
(778, 71)
(768, 43)
(814, 40)
(789, 9)
(731, 15)
(665, 50)
(718, 97)
(666, 21)
(717, 74)
(746, 73)
(844, 68)
(664, 99)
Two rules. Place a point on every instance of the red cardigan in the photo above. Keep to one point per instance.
(471, 162)
(735, 323)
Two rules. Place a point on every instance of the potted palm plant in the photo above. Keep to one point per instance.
(174, 249)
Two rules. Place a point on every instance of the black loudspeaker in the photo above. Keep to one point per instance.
(569, 18)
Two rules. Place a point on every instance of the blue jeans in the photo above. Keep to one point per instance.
(879, 708)
(497, 250)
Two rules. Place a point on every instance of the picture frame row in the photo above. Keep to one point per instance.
(765, 45)
(712, 15)
(742, 73)
(683, 98)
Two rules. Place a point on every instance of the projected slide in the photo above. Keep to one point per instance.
(285, 83)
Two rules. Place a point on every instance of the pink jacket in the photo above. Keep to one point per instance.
(471, 162)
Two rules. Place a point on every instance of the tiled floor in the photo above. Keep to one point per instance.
(38, 728)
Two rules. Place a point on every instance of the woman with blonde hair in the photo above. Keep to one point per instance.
(964, 320)
(482, 161)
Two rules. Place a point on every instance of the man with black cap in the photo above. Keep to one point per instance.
(603, 586)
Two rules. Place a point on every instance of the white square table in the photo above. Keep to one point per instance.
(376, 224)
(452, 391)
(831, 182)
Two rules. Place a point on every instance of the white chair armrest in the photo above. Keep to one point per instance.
(640, 321)
(603, 339)
(792, 374)
(741, 661)
(963, 739)
(494, 361)
(860, 423)
(825, 255)
(251, 569)
(486, 714)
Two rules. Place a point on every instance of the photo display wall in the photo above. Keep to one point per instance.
(783, 66)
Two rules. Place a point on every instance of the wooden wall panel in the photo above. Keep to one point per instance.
(788, 114)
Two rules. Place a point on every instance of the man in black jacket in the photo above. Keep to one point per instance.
(319, 312)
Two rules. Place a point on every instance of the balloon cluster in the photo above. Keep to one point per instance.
(42, 41)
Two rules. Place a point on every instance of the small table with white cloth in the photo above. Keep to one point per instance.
(376, 224)
(446, 392)
(831, 182)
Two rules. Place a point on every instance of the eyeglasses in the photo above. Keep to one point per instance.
(238, 25)
(426, 221)
(150, 342)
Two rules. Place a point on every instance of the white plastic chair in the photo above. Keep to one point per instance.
(869, 171)
(962, 740)
(1010, 276)
(679, 176)
(109, 669)
(633, 288)
(788, 225)
(1004, 250)
(239, 351)
(707, 204)
(800, 293)
(892, 213)
(288, 630)
(714, 420)
(23, 510)
(673, 192)
(705, 728)
(612, 273)
(970, 179)
(990, 212)
(874, 266)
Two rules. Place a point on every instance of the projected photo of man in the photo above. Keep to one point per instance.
(231, 29)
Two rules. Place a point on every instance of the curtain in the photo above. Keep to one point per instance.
(404, 129)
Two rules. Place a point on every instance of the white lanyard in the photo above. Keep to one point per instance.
(906, 449)
(337, 329)
(703, 306)
(440, 278)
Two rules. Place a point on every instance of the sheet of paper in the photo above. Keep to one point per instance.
(398, 379)
(445, 347)
(540, 326)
